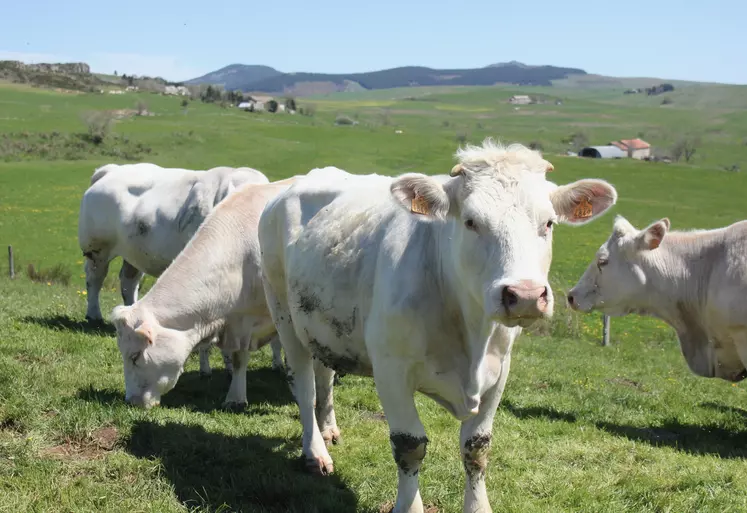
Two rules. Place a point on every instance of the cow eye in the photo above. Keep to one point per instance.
(549, 224)
(134, 358)
(470, 224)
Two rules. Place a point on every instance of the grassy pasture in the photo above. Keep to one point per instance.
(581, 428)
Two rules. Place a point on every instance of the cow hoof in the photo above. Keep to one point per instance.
(331, 436)
(317, 466)
(94, 320)
(235, 406)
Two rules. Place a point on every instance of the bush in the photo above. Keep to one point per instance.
(344, 120)
(461, 137)
(290, 104)
(271, 106)
(99, 125)
(141, 107)
(667, 101)
(185, 102)
(535, 145)
(307, 110)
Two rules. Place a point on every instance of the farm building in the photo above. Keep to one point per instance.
(634, 148)
(603, 152)
(520, 99)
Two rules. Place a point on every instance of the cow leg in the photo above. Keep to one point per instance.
(129, 282)
(474, 438)
(325, 412)
(204, 350)
(96, 266)
(406, 433)
(277, 355)
(236, 397)
(227, 360)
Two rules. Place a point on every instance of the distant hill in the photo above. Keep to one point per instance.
(69, 75)
(242, 77)
(236, 76)
(510, 63)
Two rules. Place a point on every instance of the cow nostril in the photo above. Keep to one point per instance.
(570, 299)
(508, 297)
(544, 294)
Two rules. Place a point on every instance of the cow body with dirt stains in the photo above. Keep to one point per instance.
(146, 214)
(213, 284)
(695, 281)
(421, 282)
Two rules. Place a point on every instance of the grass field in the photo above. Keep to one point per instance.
(581, 428)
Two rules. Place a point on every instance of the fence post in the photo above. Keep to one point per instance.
(605, 330)
(11, 263)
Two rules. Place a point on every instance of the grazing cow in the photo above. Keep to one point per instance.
(146, 214)
(421, 282)
(695, 281)
(214, 283)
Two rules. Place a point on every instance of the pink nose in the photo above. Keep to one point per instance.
(526, 299)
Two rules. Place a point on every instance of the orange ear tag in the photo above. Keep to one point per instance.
(583, 209)
(420, 205)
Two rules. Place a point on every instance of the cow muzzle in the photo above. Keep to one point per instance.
(525, 302)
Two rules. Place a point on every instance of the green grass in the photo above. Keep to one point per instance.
(582, 428)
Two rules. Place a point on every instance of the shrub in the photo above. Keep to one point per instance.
(307, 110)
(461, 137)
(344, 120)
(99, 125)
(185, 102)
(141, 107)
(290, 104)
(271, 106)
(535, 145)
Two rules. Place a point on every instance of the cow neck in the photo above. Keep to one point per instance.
(677, 274)
(477, 332)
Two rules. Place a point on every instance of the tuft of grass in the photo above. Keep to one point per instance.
(60, 273)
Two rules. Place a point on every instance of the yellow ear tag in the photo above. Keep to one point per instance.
(583, 209)
(420, 205)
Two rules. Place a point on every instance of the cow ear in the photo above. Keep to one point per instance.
(145, 330)
(582, 201)
(651, 237)
(421, 195)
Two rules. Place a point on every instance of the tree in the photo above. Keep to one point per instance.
(271, 106)
(685, 148)
(115, 72)
(290, 104)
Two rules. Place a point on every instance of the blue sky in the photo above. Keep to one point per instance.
(180, 40)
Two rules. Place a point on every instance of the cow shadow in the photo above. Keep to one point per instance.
(265, 388)
(529, 412)
(250, 473)
(67, 323)
(689, 438)
(724, 408)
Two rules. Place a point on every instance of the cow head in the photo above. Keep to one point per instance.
(153, 356)
(501, 211)
(615, 281)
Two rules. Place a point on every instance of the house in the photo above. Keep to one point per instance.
(247, 106)
(176, 90)
(634, 148)
(602, 152)
(520, 99)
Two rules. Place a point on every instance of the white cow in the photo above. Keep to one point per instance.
(146, 214)
(421, 282)
(695, 281)
(213, 283)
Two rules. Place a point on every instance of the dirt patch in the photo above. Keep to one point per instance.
(95, 446)
(373, 415)
(388, 507)
(626, 382)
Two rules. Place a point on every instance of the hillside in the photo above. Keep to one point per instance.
(74, 76)
(236, 76)
(509, 73)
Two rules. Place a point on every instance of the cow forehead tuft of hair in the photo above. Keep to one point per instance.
(493, 156)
